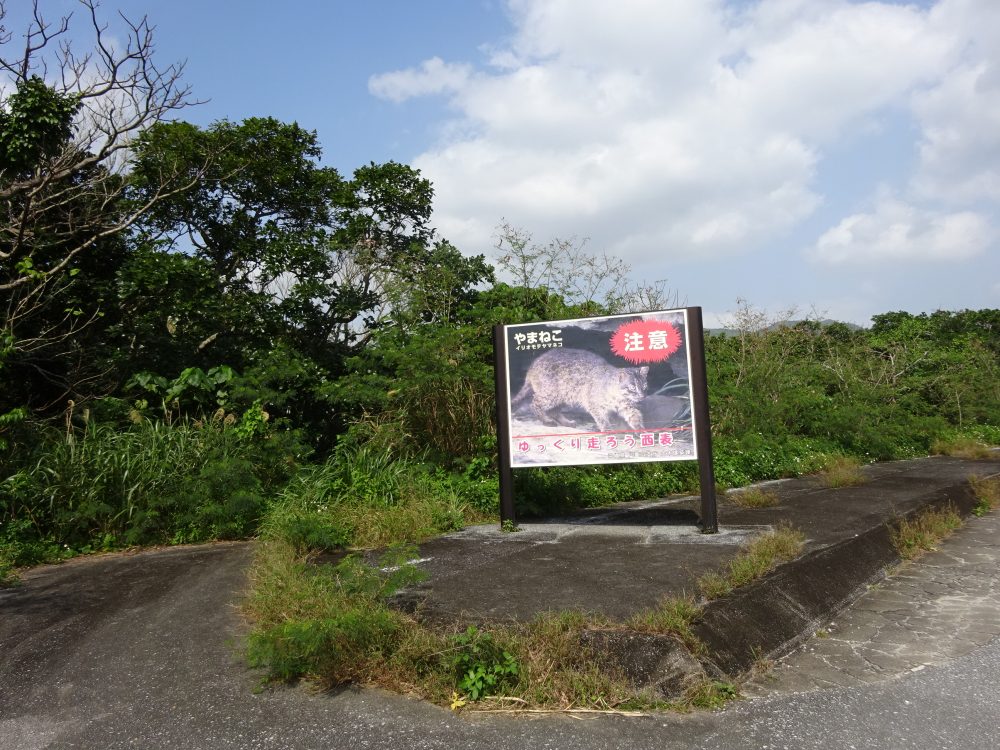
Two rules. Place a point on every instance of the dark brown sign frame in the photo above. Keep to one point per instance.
(693, 333)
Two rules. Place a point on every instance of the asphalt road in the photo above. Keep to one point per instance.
(140, 651)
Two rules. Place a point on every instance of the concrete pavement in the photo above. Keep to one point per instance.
(141, 651)
(619, 561)
(940, 607)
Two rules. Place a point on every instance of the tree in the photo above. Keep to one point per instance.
(295, 268)
(68, 120)
(594, 283)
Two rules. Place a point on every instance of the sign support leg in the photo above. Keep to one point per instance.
(703, 425)
(504, 469)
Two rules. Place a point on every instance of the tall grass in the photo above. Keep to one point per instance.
(102, 487)
(364, 497)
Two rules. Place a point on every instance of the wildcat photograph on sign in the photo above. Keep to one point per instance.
(612, 389)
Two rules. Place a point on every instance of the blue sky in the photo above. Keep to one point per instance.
(833, 156)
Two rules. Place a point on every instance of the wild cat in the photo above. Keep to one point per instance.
(575, 378)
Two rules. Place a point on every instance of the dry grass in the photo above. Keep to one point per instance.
(842, 471)
(987, 492)
(753, 497)
(913, 537)
(755, 560)
(674, 616)
(960, 447)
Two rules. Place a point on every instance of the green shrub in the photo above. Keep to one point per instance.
(556, 489)
(364, 497)
(482, 666)
(102, 487)
(329, 622)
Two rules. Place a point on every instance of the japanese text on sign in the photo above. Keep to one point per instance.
(538, 340)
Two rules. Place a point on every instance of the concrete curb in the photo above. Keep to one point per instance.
(621, 562)
(772, 616)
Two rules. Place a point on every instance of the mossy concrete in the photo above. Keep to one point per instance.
(619, 561)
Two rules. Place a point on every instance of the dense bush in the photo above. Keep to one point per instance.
(101, 487)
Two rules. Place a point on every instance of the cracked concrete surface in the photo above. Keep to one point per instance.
(932, 610)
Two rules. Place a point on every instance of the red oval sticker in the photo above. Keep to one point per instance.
(645, 341)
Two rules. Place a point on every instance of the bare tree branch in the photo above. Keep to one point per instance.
(75, 195)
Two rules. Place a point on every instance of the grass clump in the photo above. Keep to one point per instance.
(913, 537)
(842, 471)
(753, 497)
(960, 446)
(755, 560)
(366, 498)
(712, 694)
(327, 622)
(558, 672)
(987, 492)
(674, 616)
(8, 559)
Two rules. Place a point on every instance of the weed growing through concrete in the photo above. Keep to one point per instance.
(755, 560)
(960, 447)
(754, 497)
(674, 616)
(842, 471)
(331, 624)
(913, 537)
(987, 492)
(712, 694)
(762, 665)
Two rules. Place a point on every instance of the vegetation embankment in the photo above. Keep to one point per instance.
(332, 623)
(203, 329)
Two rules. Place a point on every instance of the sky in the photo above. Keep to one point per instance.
(840, 158)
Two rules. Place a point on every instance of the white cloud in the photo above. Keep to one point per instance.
(699, 129)
(960, 114)
(901, 232)
(434, 76)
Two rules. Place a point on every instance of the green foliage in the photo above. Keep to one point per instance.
(193, 391)
(364, 496)
(482, 666)
(100, 487)
(713, 694)
(8, 420)
(555, 489)
(35, 123)
(876, 395)
(344, 626)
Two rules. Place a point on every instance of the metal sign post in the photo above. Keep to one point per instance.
(703, 433)
(503, 427)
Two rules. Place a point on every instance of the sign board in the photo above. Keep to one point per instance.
(614, 389)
